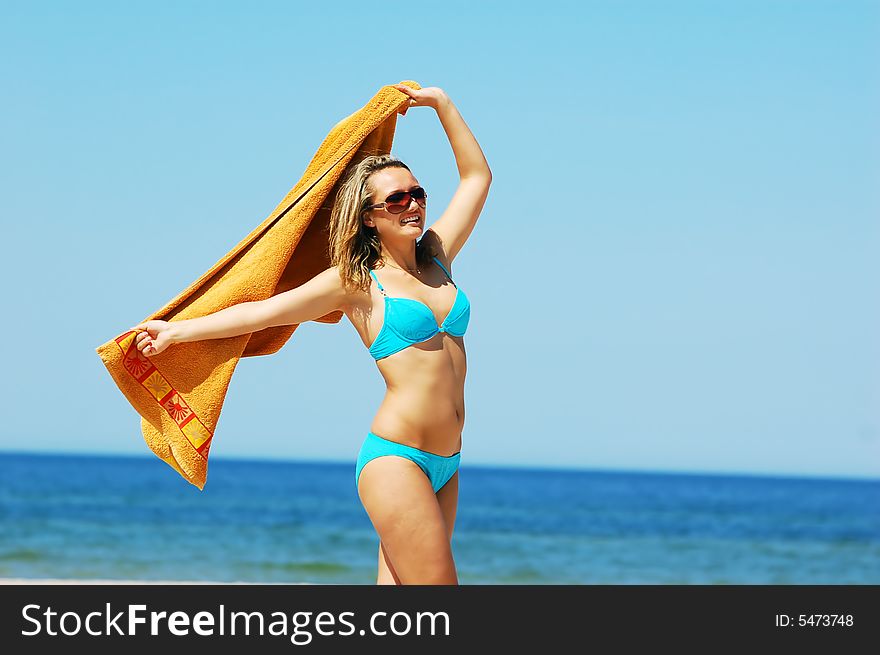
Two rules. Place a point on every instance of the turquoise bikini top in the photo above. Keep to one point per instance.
(409, 321)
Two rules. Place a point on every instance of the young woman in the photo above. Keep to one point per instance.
(395, 285)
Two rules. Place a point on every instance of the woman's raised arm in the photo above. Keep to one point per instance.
(321, 295)
(455, 225)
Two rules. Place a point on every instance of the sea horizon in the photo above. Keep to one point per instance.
(481, 465)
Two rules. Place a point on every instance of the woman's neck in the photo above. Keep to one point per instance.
(401, 257)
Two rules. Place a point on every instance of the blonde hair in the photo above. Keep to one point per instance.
(354, 247)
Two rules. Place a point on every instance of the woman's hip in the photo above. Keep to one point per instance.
(438, 468)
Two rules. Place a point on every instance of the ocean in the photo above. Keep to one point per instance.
(134, 518)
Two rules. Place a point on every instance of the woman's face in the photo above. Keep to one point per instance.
(382, 184)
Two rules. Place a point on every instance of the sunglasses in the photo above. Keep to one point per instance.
(397, 203)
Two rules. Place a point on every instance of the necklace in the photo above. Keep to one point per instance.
(408, 270)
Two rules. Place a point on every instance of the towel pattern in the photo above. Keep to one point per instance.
(145, 372)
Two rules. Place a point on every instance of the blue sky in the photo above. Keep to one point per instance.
(676, 269)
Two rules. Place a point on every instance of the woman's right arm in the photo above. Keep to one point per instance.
(321, 295)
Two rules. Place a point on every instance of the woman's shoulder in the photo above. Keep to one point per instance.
(330, 282)
(349, 293)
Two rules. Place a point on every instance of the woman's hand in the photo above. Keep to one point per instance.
(431, 96)
(153, 337)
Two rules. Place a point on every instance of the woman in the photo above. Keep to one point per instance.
(412, 317)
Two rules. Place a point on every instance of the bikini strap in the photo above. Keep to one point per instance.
(445, 271)
(381, 288)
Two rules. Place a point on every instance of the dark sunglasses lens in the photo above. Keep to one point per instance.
(397, 207)
(397, 203)
(420, 196)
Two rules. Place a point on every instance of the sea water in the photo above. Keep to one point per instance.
(134, 518)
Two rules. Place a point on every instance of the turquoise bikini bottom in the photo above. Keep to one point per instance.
(439, 469)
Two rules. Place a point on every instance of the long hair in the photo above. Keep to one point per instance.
(354, 247)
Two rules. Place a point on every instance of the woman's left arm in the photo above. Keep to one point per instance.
(456, 223)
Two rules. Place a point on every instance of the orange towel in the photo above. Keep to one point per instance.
(179, 393)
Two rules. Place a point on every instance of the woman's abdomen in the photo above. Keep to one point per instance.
(424, 401)
(430, 423)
